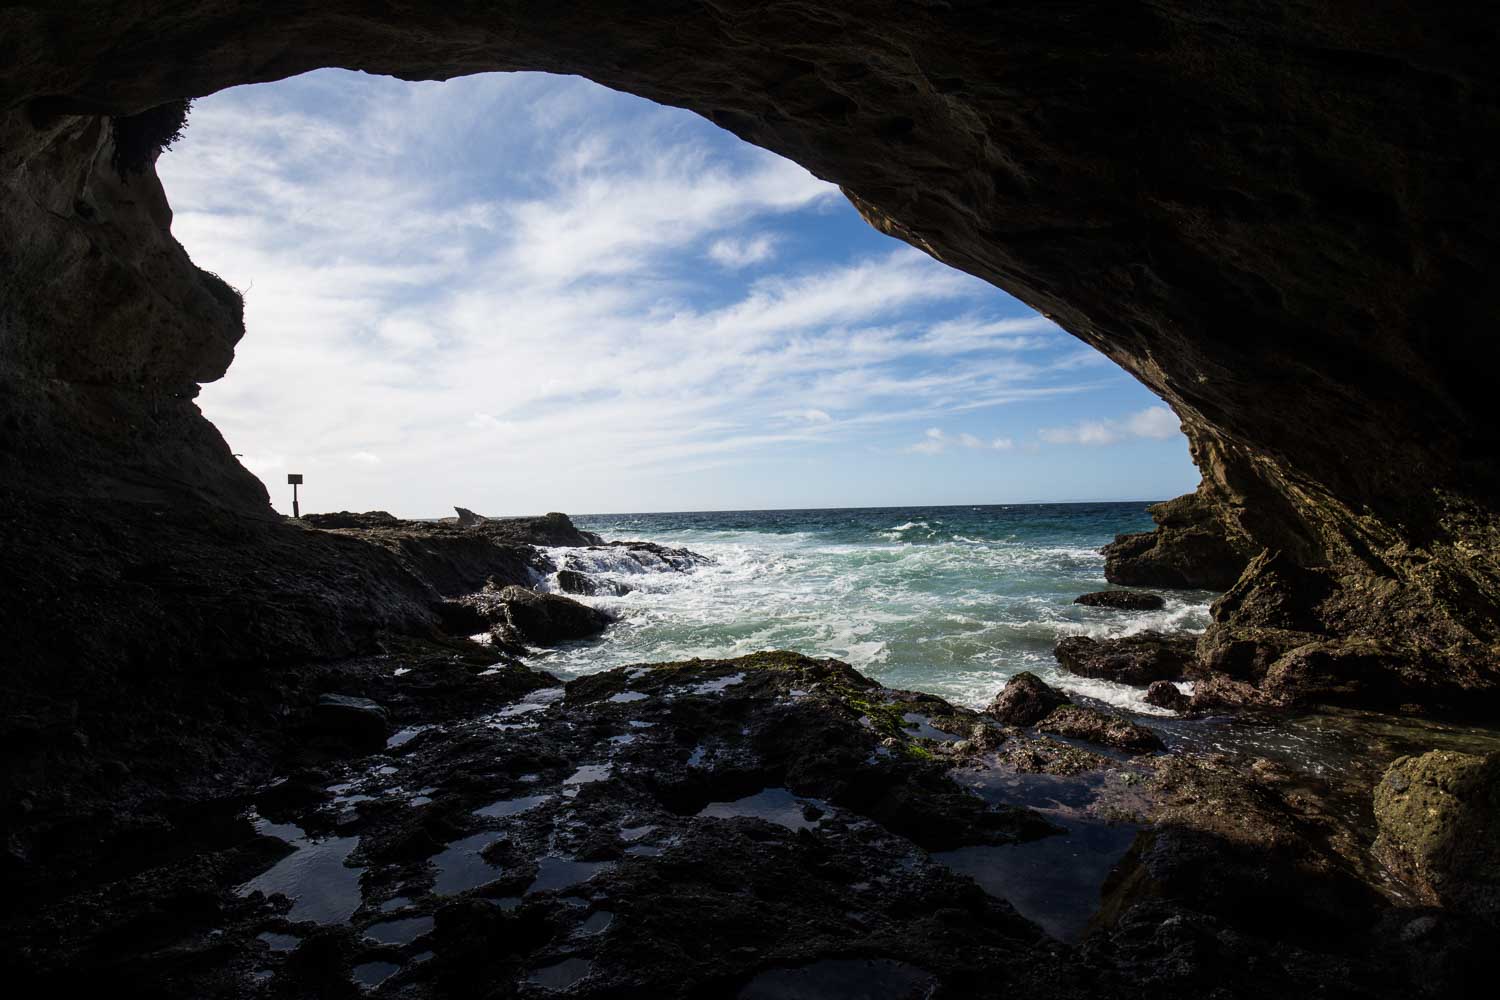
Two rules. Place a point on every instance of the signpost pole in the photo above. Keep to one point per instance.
(295, 480)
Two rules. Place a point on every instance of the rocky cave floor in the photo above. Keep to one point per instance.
(771, 826)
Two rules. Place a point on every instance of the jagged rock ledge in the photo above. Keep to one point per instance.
(739, 828)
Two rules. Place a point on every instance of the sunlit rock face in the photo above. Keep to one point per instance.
(1278, 222)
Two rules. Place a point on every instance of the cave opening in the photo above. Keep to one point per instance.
(1273, 222)
(519, 292)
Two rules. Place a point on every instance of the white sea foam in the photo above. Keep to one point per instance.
(956, 615)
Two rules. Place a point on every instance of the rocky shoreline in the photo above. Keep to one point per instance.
(436, 817)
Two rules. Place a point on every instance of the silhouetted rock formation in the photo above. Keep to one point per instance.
(1259, 218)
(1189, 548)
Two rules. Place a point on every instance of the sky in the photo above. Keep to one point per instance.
(520, 292)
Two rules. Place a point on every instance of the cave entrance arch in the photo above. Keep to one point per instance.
(1268, 222)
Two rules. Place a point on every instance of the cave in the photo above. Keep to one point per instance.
(1277, 219)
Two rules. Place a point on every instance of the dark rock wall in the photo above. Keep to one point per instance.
(1277, 217)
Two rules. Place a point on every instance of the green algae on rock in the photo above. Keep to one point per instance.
(1439, 819)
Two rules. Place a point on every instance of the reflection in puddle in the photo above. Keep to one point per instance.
(1054, 882)
(921, 727)
(586, 775)
(510, 807)
(536, 701)
(842, 979)
(460, 868)
(403, 931)
(372, 974)
(279, 942)
(716, 686)
(560, 873)
(628, 696)
(402, 736)
(322, 888)
(774, 805)
(562, 975)
(597, 923)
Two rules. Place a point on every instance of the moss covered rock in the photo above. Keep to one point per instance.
(1439, 819)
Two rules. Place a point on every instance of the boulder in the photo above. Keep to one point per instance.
(542, 619)
(571, 581)
(1165, 694)
(1095, 726)
(1189, 548)
(1439, 822)
(344, 718)
(1025, 700)
(1122, 600)
(1131, 659)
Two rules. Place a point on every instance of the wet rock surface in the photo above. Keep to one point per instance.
(1090, 724)
(519, 614)
(1132, 659)
(747, 827)
(1025, 700)
(1124, 600)
(360, 721)
(1165, 694)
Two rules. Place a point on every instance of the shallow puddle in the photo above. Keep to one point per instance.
(372, 974)
(921, 727)
(279, 942)
(842, 979)
(560, 873)
(586, 775)
(1054, 882)
(597, 923)
(717, 686)
(314, 877)
(403, 931)
(774, 805)
(402, 736)
(561, 975)
(628, 696)
(460, 868)
(510, 807)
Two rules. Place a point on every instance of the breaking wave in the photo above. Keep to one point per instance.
(956, 603)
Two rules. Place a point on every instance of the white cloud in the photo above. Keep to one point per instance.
(737, 253)
(938, 441)
(495, 289)
(1156, 422)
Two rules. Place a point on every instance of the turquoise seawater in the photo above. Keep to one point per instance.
(948, 600)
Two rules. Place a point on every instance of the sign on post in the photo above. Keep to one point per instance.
(294, 479)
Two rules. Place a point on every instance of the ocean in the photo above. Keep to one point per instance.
(952, 601)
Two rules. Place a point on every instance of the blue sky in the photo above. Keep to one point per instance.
(522, 292)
